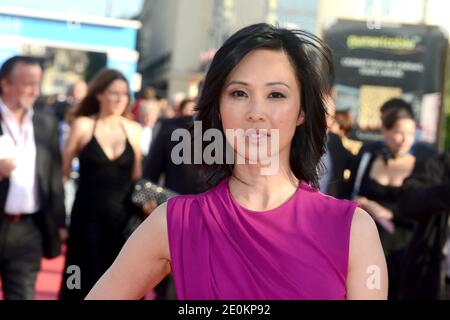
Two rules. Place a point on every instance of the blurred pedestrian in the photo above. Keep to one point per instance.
(75, 93)
(149, 113)
(147, 94)
(377, 180)
(343, 126)
(426, 200)
(32, 215)
(108, 147)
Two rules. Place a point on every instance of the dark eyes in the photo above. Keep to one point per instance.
(276, 95)
(238, 94)
(242, 94)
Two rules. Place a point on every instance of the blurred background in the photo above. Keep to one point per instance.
(382, 48)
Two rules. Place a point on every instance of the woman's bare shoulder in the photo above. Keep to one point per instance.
(363, 224)
(81, 130)
(83, 123)
(133, 128)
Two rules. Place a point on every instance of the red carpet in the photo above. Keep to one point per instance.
(49, 280)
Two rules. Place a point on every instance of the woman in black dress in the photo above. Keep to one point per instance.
(108, 148)
(377, 181)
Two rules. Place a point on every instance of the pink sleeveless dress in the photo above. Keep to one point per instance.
(222, 251)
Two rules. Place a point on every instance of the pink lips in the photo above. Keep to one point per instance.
(256, 135)
(253, 131)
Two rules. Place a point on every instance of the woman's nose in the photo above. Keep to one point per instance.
(256, 111)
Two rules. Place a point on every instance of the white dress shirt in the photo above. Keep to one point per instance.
(17, 142)
(146, 139)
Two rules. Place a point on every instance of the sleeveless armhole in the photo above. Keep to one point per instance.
(173, 229)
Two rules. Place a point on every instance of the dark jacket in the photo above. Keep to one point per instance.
(426, 199)
(341, 160)
(181, 178)
(50, 188)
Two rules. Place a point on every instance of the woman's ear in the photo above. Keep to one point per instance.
(301, 118)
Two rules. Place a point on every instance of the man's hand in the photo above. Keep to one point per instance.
(6, 167)
(149, 206)
(378, 211)
(383, 216)
(374, 208)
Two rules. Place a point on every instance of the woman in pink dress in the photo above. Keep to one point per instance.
(262, 230)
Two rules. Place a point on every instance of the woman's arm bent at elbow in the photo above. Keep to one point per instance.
(367, 277)
(142, 263)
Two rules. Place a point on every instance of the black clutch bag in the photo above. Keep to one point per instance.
(145, 190)
(141, 192)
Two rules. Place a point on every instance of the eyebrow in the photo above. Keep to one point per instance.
(267, 84)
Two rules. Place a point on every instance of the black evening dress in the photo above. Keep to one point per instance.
(98, 217)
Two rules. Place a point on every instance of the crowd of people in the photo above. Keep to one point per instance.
(333, 208)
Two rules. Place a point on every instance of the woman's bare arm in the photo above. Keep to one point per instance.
(78, 137)
(367, 277)
(142, 263)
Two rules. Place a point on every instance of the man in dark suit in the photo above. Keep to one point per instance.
(32, 215)
(182, 178)
(340, 160)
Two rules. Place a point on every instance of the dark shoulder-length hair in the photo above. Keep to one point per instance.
(394, 110)
(90, 105)
(312, 62)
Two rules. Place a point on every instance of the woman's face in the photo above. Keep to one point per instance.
(262, 92)
(400, 138)
(115, 98)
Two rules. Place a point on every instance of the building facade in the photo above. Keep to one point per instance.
(179, 38)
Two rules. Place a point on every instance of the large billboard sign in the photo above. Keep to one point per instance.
(374, 64)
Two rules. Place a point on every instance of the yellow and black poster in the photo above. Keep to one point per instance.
(376, 64)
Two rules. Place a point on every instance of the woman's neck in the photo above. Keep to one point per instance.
(270, 183)
(262, 192)
(17, 112)
(109, 117)
(393, 157)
